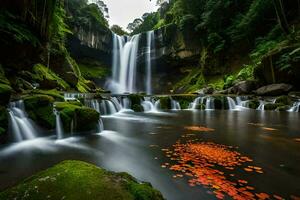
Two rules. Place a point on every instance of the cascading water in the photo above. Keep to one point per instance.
(210, 103)
(295, 107)
(21, 126)
(196, 102)
(149, 105)
(261, 105)
(104, 106)
(231, 103)
(150, 50)
(175, 105)
(58, 127)
(124, 64)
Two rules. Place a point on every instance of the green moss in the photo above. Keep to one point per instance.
(47, 78)
(283, 108)
(86, 119)
(39, 108)
(135, 99)
(165, 102)
(90, 71)
(273, 106)
(3, 78)
(200, 106)
(184, 100)
(137, 108)
(53, 93)
(283, 100)
(5, 92)
(78, 180)
(253, 104)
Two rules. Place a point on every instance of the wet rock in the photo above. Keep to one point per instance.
(253, 104)
(283, 108)
(5, 93)
(274, 89)
(294, 95)
(273, 106)
(243, 87)
(206, 90)
(200, 106)
(283, 100)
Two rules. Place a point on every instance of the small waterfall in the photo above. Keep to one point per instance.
(150, 105)
(197, 101)
(21, 126)
(100, 126)
(210, 103)
(175, 105)
(231, 103)
(295, 107)
(124, 64)
(59, 126)
(149, 48)
(126, 104)
(104, 106)
(261, 105)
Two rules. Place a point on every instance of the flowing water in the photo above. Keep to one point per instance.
(150, 51)
(132, 142)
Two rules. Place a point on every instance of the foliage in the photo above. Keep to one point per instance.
(89, 71)
(9, 25)
(147, 23)
(118, 30)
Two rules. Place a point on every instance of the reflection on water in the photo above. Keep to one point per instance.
(135, 140)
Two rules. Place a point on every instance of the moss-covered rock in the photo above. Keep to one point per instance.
(40, 109)
(3, 121)
(137, 108)
(253, 104)
(57, 95)
(47, 78)
(78, 180)
(165, 102)
(284, 100)
(184, 100)
(85, 118)
(283, 108)
(5, 93)
(135, 99)
(273, 106)
(200, 106)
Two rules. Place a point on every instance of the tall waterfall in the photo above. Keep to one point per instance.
(125, 51)
(21, 126)
(58, 126)
(150, 50)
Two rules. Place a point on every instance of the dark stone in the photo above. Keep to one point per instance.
(274, 89)
(284, 100)
(243, 87)
(206, 90)
(273, 106)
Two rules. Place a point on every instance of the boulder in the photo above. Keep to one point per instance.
(78, 180)
(206, 90)
(283, 100)
(243, 87)
(273, 106)
(274, 89)
(5, 93)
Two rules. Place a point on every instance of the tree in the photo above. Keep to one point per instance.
(118, 30)
(281, 16)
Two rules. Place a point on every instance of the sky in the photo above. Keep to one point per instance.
(122, 12)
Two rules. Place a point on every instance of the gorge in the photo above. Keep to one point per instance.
(199, 99)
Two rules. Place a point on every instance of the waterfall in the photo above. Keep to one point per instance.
(210, 103)
(196, 102)
(150, 46)
(21, 126)
(59, 126)
(100, 126)
(124, 64)
(231, 103)
(149, 105)
(104, 106)
(175, 105)
(261, 105)
(295, 107)
(126, 104)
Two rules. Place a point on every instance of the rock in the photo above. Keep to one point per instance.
(243, 87)
(5, 93)
(184, 100)
(283, 100)
(283, 108)
(137, 108)
(274, 89)
(165, 103)
(3, 123)
(200, 106)
(78, 180)
(273, 106)
(253, 104)
(39, 108)
(206, 90)
(84, 118)
(71, 78)
(294, 95)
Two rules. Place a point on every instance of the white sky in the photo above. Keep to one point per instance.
(122, 12)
